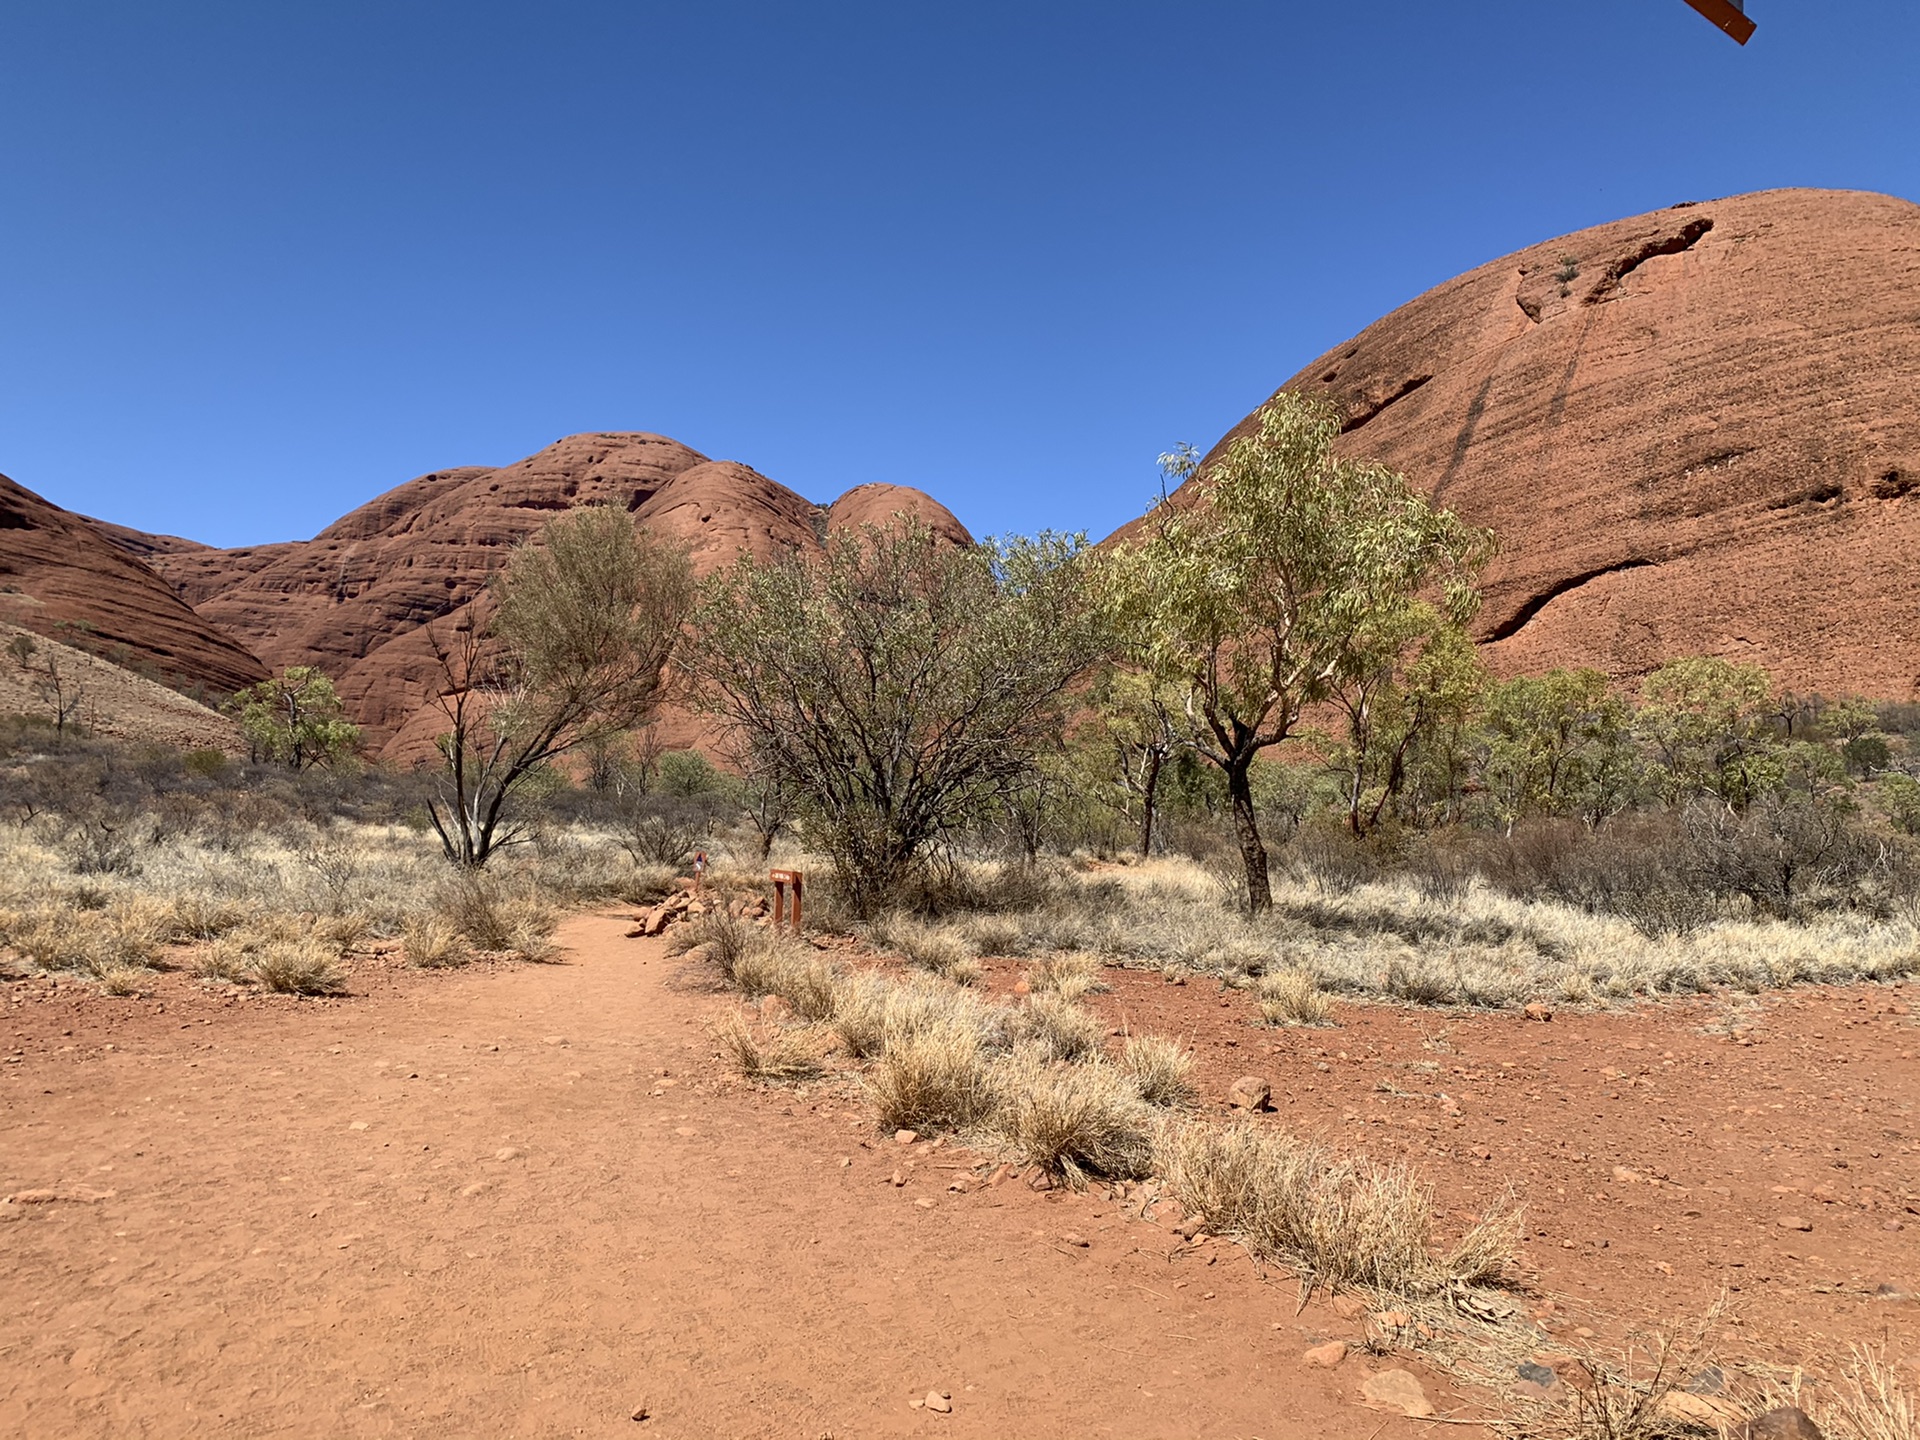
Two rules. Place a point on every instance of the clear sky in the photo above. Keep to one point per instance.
(260, 262)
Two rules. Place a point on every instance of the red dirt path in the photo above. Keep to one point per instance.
(467, 1204)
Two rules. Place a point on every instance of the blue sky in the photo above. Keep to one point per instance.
(260, 262)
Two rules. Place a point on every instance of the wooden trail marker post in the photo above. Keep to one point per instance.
(781, 880)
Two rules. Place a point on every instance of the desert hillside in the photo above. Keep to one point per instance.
(58, 569)
(1694, 431)
(357, 598)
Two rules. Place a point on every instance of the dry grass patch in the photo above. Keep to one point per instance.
(1336, 1221)
(1070, 975)
(1161, 1070)
(1074, 1121)
(1294, 997)
(798, 974)
(934, 1076)
(941, 950)
(297, 967)
(433, 942)
(1058, 1028)
(775, 1053)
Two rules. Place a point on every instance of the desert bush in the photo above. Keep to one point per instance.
(1075, 1121)
(1161, 1069)
(297, 967)
(995, 934)
(1294, 997)
(432, 941)
(1337, 1221)
(774, 1054)
(1056, 1028)
(225, 958)
(931, 1077)
(478, 907)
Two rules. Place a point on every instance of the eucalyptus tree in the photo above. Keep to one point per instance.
(1275, 577)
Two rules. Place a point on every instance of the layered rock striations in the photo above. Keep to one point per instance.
(64, 577)
(1695, 431)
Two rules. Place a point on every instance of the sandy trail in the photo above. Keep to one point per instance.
(468, 1204)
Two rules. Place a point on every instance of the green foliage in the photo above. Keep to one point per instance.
(296, 719)
(686, 774)
(1558, 744)
(1709, 724)
(584, 619)
(897, 683)
(1288, 580)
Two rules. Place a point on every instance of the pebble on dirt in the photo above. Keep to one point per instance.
(1794, 1222)
(940, 1402)
(1326, 1356)
(1789, 1422)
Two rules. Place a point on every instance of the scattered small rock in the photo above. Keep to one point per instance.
(1623, 1176)
(897, 1179)
(640, 1412)
(358, 1125)
(1190, 1227)
(508, 1152)
(1541, 1377)
(1794, 1222)
(905, 1137)
(1250, 1092)
(1539, 1010)
(553, 1039)
(1073, 1237)
(1789, 1422)
(1399, 1391)
(924, 1204)
(940, 1402)
(1348, 1307)
(1325, 1357)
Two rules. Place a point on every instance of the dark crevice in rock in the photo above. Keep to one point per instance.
(1371, 411)
(1514, 623)
(1688, 236)
(1817, 495)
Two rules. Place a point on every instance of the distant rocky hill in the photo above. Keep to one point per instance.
(357, 598)
(1695, 431)
(63, 577)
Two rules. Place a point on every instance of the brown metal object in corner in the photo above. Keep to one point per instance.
(1728, 16)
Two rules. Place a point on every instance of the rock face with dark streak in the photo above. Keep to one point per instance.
(1694, 432)
(357, 598)
(57, 567)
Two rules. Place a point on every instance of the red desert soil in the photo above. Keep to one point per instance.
(526, 1200)
(1693, 431)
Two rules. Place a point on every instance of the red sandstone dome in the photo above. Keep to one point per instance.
(356, 599)
(57, 567)
(1694, 432)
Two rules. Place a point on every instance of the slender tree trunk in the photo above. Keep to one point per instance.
(1149, 799)
(1247, 827)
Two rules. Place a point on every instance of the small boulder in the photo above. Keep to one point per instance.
(1325, 1357)
(1250, 1092)
(1539, 1010)
(905, 1137)
(1073, 1237)
(1794, 1222)
(940, 1402)
(1789, 1422)
(1348, 1307)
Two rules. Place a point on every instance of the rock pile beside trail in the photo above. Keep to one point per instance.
(690, 904)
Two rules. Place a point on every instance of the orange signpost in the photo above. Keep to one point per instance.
(781, 880)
